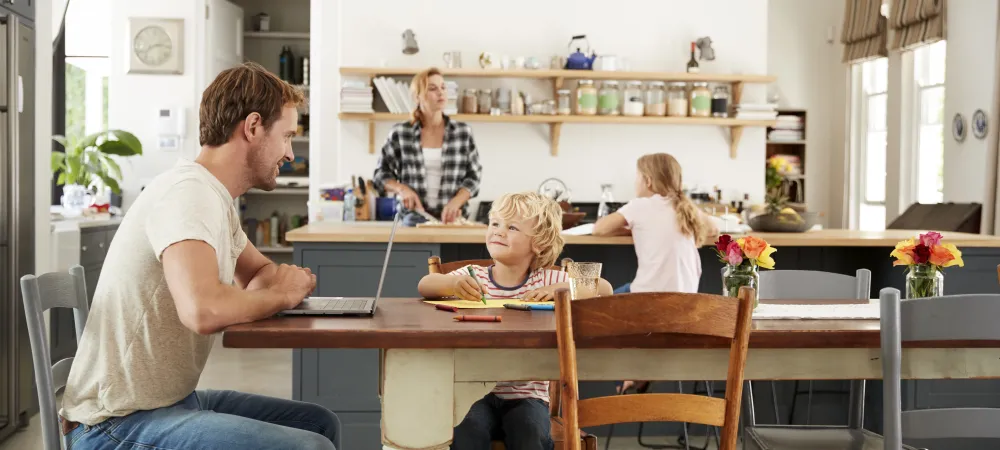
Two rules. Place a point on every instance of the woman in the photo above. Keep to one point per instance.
(430, 162)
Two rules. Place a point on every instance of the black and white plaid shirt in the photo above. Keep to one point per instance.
(402, 160)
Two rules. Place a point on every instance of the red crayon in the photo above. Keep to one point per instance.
(478, 318)
(446, 308)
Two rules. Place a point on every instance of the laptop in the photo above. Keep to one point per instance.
(347, 306)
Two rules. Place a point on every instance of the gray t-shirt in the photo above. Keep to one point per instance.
(135, 354)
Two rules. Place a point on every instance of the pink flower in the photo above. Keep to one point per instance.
(734, 255)
(930, 238)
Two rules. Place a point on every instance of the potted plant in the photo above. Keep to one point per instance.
(88, 162)
(777, 215)
(924, 258)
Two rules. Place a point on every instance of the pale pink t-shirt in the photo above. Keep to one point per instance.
(668, 260)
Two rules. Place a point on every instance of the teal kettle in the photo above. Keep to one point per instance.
(579, 60)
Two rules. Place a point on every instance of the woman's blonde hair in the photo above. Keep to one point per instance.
(663, 173)
(546, 236)
(418, 87)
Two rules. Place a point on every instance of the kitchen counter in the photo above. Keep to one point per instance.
(379, 233)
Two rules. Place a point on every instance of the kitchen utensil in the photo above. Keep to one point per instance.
(452, 59)
(558, 62)
(572, 219)
(262, 22)
(607, 63)
(532, 63)
(579, 60)
(555, 189)
(519, 62)
(505, 62)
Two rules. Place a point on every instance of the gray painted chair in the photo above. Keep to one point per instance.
(41, 293)
(811, 285)
(952, 317)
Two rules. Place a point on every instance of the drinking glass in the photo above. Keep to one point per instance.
(583, 278)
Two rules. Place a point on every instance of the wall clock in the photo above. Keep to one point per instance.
(958, 127)
(979, 124)
(156, 46)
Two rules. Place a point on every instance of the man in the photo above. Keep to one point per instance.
(168, 284)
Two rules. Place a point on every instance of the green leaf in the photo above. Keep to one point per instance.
(58, 161)
(62, 178)
(92, 160)
(128, 139)
(119, 148)
(91, 140)
(61, 140)
(111, 183)
(113, 169)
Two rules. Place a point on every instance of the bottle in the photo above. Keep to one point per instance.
(275, 231)
(285, 62)
(349, 205)
(606, 198)
(692, 66)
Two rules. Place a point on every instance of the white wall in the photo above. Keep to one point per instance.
(134, 99)
(970, 82)
(651, 35)
(804, 52)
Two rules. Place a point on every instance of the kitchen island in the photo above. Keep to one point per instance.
(347, 259)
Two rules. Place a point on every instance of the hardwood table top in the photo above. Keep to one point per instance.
(378, 232)
(410, 323)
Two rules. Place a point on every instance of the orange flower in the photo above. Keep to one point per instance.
(940, 256)
(752, 246)
(904, 253)
(950, 249)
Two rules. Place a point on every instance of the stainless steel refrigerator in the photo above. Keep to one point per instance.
(17, 214)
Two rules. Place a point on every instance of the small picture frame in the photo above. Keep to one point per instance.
(156, 46)
(958, 127)
(980, 124)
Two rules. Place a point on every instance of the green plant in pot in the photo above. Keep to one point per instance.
(89, 163)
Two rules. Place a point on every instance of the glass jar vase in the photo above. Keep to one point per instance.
(924, 281)
(736, 277)
(656, 99)
(632, 103)
(470, 102)
(485, 101)
(586, 98)
(701, 100)
(677, 100)
(608, 99)
(562, 100)
(720, 101)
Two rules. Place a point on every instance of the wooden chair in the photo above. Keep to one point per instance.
(645, 316)
(434, 265)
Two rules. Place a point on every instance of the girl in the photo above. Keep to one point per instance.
(666, 227)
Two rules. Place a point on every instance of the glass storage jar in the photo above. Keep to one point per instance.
(677, 101)
(563, 102)
(632, 103)
(720, 101)
(470, 102)
(607, 103)
(656, 99)
(485, 101)
(586, 98)
(701, 100)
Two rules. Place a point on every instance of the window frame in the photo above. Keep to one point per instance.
(860, 100)
(915, 120)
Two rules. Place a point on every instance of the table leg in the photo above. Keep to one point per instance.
(418, 399)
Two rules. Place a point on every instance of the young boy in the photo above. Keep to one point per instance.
(523, 238)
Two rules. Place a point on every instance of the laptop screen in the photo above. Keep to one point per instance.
(388, 251)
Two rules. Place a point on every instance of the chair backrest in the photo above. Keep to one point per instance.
(810, 284)
(434, 264)
(624, 319)
(970, 317)
(41, 293)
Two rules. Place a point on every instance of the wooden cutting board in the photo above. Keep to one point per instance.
(450, 226)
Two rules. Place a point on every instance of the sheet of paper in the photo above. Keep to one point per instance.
(469, 304)
(580, 230)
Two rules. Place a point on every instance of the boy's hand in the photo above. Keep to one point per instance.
(467, 288)
(542, 294)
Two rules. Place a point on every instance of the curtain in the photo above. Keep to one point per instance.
(916, 22)
(864, 31)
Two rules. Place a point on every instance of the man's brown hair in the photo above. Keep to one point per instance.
(236, 93)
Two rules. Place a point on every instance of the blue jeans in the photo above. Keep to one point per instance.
(520, 424)
(216, 420)
(624, 289)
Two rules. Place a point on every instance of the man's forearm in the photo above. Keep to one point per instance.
(230, 305)
(262, 279)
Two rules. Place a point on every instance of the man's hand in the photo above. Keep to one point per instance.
(542, 294)
(293, 283)
(466, 288)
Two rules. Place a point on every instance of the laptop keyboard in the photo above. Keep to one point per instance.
(347, 305)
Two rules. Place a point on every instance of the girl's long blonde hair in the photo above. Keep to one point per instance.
(418, 87)
(664, 175)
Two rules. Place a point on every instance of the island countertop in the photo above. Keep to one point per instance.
(378, 232)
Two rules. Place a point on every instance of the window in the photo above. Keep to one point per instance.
(871, 145)
(928, 75)
(87, 67)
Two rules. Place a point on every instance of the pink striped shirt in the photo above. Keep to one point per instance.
(511, 390)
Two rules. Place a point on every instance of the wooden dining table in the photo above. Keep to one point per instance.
(433, 368)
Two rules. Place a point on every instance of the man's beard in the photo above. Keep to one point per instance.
(261, 171)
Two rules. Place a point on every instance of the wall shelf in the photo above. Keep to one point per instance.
(280, 191)
(565, 74)
(275, 35)
(555, 123)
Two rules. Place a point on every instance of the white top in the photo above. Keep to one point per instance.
(432, 164)
(668, 260)
(138, 354)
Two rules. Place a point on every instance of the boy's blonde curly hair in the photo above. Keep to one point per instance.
(547, 233)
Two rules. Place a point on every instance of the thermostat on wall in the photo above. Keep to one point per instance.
(170, 127)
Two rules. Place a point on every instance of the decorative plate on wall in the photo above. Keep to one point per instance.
(958, 128)
(156, 46)
(979, 124)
